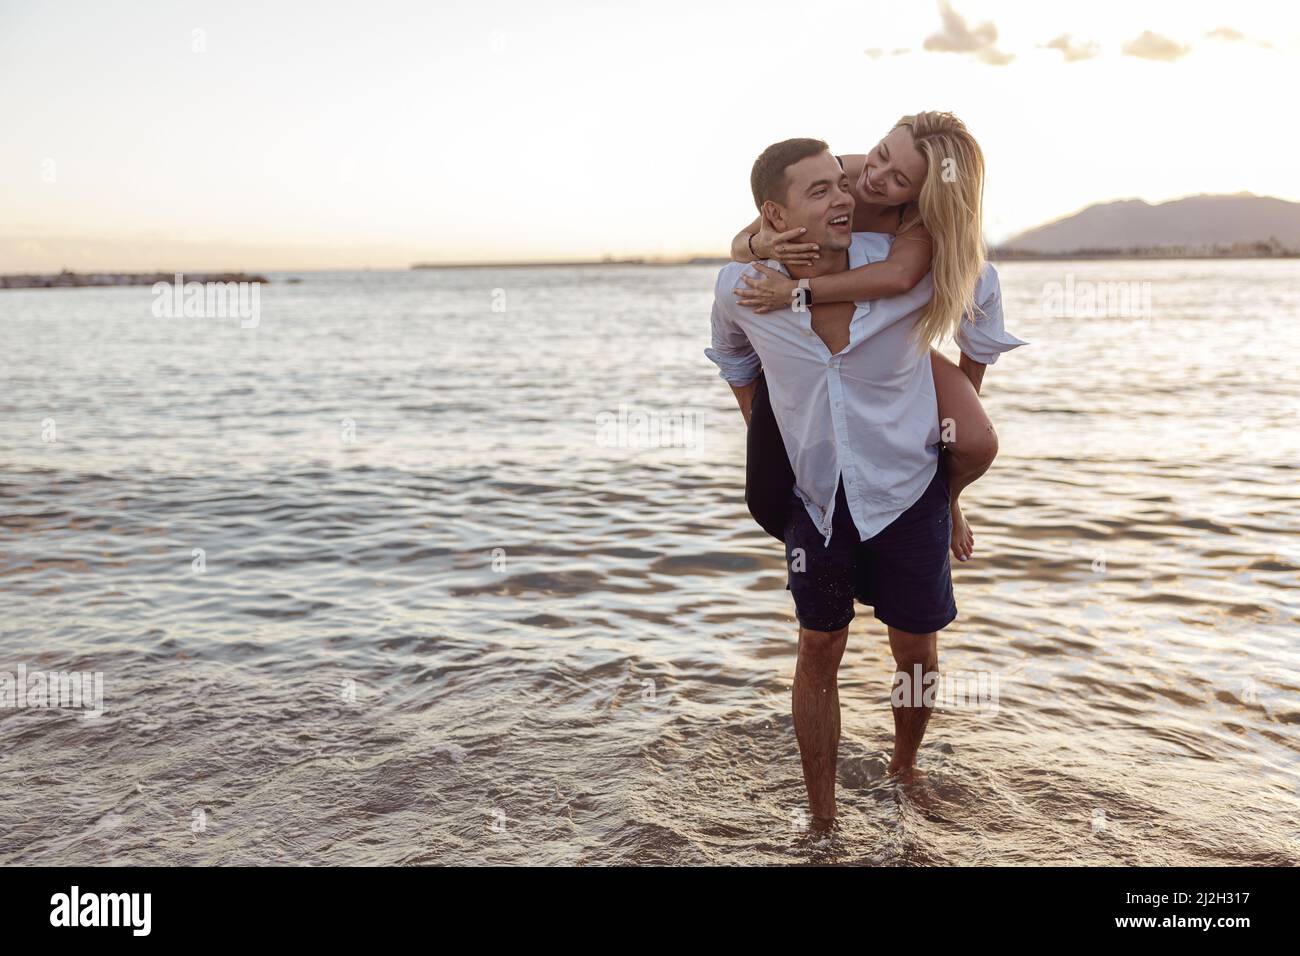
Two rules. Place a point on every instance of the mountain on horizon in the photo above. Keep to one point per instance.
(1205, 221)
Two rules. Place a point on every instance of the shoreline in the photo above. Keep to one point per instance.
(99, 280)
(1083, 255)
(85, 280)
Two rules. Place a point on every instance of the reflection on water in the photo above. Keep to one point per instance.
(391, 578)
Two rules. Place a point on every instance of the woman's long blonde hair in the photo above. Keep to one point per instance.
(951, 207)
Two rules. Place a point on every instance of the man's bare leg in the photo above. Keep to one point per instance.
(911, 650)
(816, 706)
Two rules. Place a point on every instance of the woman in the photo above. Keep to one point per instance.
(923, 183)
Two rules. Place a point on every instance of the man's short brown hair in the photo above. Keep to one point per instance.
(768, 179)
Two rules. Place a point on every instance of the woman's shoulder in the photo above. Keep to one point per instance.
(910, 224)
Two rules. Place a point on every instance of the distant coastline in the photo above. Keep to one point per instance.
(1206, 226)
(1253, 250)
(81, 280)
(1245, 251)
(78, 280)
(546, 264)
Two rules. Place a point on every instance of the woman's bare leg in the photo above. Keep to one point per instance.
(971, 444)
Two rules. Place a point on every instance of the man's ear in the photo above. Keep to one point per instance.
(774, 215)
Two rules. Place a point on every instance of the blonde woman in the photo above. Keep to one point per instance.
(923, 183)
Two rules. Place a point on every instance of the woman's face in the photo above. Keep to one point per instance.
(893, 172)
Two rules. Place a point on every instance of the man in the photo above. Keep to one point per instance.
(853, 395)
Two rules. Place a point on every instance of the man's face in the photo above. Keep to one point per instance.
(818, 199)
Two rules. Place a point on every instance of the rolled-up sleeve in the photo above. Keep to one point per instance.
(983, 336)
(730, 349)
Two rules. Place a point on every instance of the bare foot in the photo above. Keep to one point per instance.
(907, 775)
(914, 784)
(963, 539)
(822, 824)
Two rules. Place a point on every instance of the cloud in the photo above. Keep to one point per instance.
(1153, 46)
(957, 37)
(1072, 49)
(1229, 35)
(876, 54)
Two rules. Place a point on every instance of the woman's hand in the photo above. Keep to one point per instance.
(770, 244)
(769, 292)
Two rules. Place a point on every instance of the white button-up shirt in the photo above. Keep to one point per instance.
(867, 413)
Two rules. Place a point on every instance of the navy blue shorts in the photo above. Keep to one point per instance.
(903, 572)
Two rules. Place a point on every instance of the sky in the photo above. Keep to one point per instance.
(268, 136)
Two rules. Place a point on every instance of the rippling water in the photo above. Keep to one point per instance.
(446, 605)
